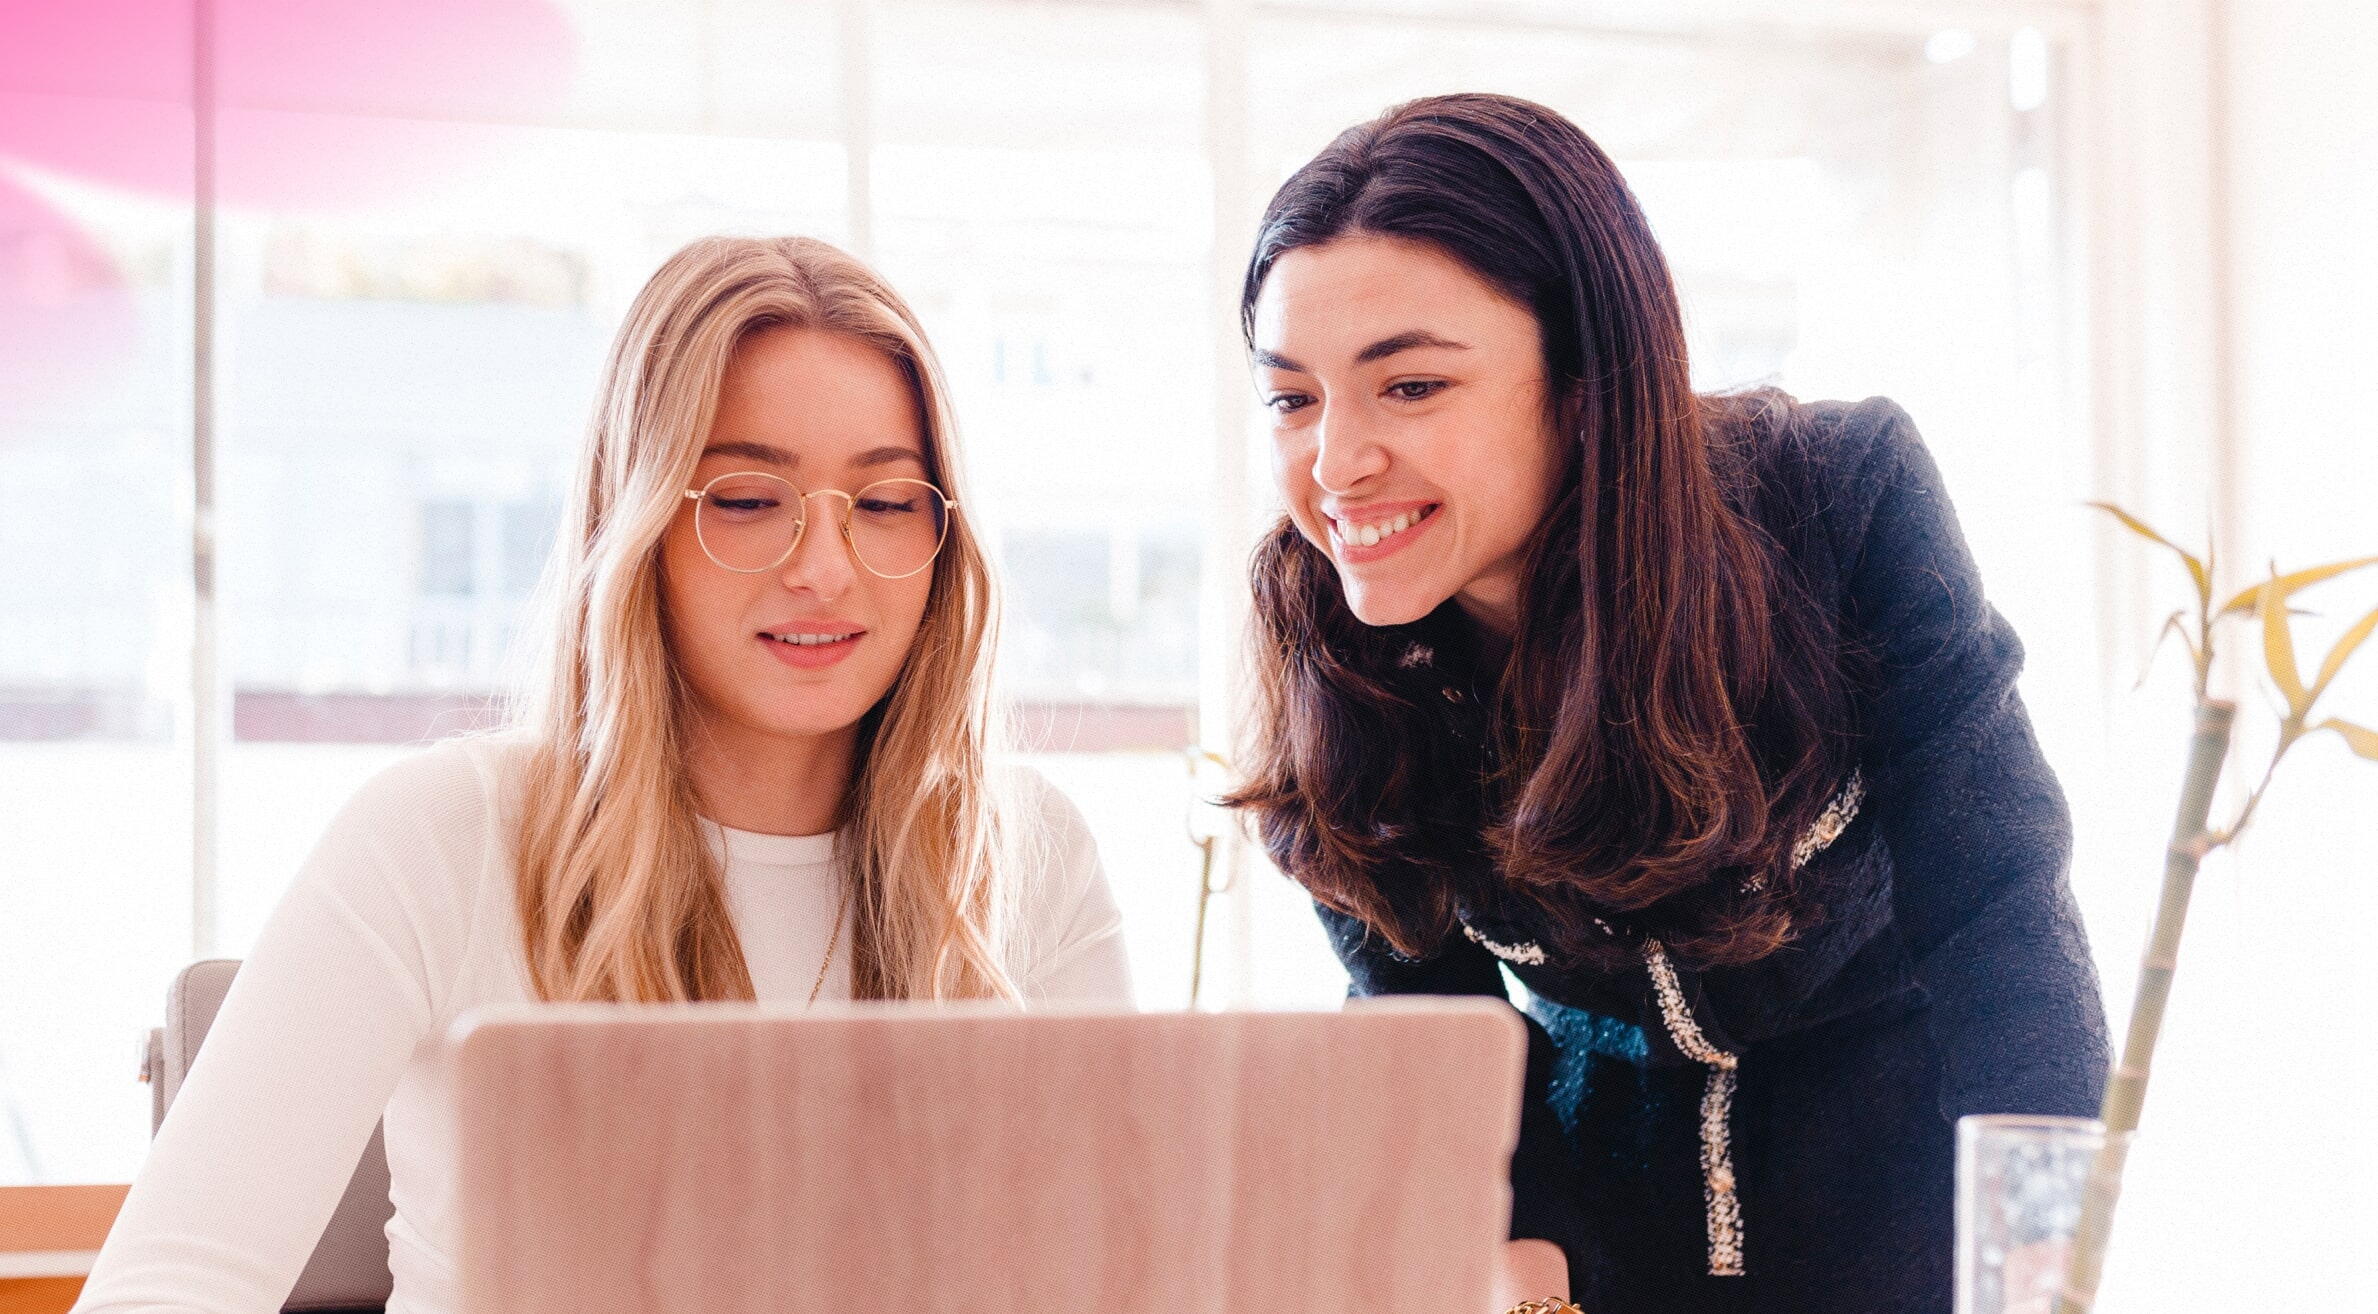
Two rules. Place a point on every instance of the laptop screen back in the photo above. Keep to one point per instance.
(882, 1157)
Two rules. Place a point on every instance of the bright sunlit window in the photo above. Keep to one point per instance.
(404, 374)
(1856, 200)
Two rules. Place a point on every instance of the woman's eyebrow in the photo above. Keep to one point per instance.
(751, 451)
(1408, 340)
(773, 455)
(887, 456)
(1405, 341)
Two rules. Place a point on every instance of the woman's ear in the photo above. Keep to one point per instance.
(1568, 400)
(1564, 413)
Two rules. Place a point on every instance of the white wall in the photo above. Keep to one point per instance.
(2303, 174)
(2250, 1185)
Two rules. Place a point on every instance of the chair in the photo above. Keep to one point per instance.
(349, 1268)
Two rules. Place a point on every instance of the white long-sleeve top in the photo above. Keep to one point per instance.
(403, 919)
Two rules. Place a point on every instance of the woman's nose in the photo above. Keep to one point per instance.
(821, 562)
(1345, 451)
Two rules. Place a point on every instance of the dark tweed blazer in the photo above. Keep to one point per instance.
(1779, 1136)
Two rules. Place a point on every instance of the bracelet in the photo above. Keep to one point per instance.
(1548, 1305)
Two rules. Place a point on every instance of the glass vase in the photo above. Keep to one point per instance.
(2020, 1179)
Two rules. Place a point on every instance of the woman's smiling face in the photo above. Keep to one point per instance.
(1411, 436)
(807, 647)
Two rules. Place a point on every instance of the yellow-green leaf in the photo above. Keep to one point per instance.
(2197, 570)
(2362, 739)
(2278, 651)
(2289, 583)
(2171, 626)
(2346, 643)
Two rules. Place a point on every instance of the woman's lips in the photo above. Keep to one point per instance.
(1355, 554)
(811, 656)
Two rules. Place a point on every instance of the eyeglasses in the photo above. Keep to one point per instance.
(749, 522)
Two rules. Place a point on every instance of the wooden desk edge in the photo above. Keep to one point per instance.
(42, 1219)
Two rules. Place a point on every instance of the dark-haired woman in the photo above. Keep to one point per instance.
(1685, 711)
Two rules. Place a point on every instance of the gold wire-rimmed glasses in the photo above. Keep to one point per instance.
(749, 522)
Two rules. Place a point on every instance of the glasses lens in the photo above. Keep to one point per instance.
(897, 525)
(748, 521)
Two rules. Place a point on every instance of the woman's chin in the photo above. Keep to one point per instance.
(1382, 607)
(798, 718)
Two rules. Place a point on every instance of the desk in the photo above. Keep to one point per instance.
(48, 1237)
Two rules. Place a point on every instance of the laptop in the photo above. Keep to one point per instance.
(716, 1158)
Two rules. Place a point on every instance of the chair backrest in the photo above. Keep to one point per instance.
(349, 1268)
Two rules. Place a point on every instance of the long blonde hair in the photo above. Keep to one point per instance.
(620, 898)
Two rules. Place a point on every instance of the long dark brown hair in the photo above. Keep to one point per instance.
(1675, 708)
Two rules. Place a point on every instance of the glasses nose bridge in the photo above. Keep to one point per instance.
(841, 524)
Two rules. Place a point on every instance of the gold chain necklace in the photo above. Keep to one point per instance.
(834, 940)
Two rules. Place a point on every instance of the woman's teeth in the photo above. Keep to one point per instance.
(810, 640)
(1369, 535)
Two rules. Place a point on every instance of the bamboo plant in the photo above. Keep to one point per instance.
(2266, 607)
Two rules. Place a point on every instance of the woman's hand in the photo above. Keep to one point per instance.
(1528, 1270)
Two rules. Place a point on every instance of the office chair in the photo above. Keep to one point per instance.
(348, 1273)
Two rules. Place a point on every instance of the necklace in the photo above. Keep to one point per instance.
(833, 941)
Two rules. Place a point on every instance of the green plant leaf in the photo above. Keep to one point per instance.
(2278, 652)
(2362, 739)
(2337, 655)
(2293, 581)
(2197, 570)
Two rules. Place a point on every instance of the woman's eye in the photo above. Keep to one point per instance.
(743, 504)
(887, 506)
(1288, 401)
(1416, 389)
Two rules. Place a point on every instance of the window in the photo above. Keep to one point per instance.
(402, 381)
(446, 558)
(95, 678)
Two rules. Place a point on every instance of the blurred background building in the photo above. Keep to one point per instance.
(2098, 248)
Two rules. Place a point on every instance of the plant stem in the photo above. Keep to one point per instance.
(2288, 734)
(1205, 897)
(2127, 1091)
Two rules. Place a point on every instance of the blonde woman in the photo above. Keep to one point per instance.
(755, 769)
